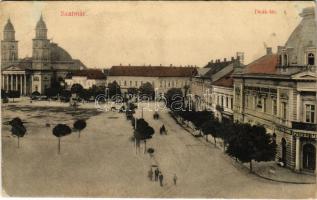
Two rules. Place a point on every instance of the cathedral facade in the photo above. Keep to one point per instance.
(49, 62)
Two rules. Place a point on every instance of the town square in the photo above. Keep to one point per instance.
(161, 121)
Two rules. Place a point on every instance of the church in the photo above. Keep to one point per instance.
(49, 62)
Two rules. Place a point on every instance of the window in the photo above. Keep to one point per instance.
(125, 83)
(231, 103)
(222, 100)
(310, 113)
(283, 110)
(227, 102)
(130, 83)
(311, 59)
(258, 102)
(264, 105)
(247, 101)
(285, 60)
(274, 107)
(136, 83)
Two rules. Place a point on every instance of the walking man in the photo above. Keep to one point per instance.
(161, 179)
(175, 179)
(156, 173)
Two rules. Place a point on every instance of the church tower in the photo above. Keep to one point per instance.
(41, 61)
(9, 46)
(41, 47)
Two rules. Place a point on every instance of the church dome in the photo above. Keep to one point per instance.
(59, 54)
(304, 35)
(8, 26)
(41, 24)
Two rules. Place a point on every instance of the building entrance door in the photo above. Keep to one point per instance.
(309, 157)
(283, 150)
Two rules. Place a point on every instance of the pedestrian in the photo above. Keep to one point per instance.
(175, 179)
(150, 174)
(156, 173)
(161, 179)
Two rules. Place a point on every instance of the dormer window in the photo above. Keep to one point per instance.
(311, 59)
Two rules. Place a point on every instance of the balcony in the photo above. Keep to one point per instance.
(304, 126)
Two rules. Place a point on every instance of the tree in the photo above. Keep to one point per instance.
(114, 89)
(61, 130)
(51, 92)
(175, 99)
(79, 125)
(85, 94)
(13, 94)
(225, 131)
(210, 128)
(251, 143)
(65, 95)
(76, 89)
(17, 128)
(147, 90)
(143, 132)
(132, 91)
(36, 93)
(3, 94)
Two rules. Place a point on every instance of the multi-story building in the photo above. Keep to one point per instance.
(212, 88)
(86, 78)
(48, 63)
(162, 78)
(279, 92)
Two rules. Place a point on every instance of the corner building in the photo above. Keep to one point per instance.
(279, 92)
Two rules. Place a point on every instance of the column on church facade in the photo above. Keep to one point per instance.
(25, 92)
(16, 82)
(21, 85)
(11, 80)
(7, 86)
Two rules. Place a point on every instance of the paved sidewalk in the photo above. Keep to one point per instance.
(266, 170)
(271, 171)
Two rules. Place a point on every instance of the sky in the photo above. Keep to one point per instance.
(143, 33)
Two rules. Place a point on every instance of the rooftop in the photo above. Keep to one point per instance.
(152, 71)
(89, 73)
(267, 64)
(225, 81)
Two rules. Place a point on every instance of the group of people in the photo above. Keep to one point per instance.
(158, 176)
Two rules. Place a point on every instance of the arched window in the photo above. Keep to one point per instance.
(311, 59)
(285, 60)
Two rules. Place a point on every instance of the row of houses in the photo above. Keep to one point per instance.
(277, 90)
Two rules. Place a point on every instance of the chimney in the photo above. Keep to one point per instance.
(268, 50)
(240, 57)
(225, 60)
